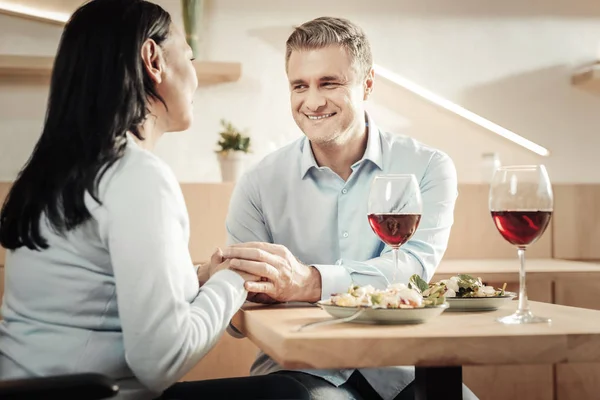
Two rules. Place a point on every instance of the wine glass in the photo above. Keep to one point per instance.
(394, 210)
(521, 204)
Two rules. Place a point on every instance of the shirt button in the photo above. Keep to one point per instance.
(345, 234)
(344, 191)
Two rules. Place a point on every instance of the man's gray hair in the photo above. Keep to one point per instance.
(327, 31)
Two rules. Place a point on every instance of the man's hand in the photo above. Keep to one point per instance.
(217, 263)
(261, 298)
(284, 278)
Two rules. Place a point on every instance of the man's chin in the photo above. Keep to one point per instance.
(323, 141)
(318, 135)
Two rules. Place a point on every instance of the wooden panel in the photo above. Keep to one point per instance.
(577, 381)
(579, 291)
(531, 382)
(474, 234)
(537, 290)
(514, 381)
(229, 358)
(576, 227)
(207, 205)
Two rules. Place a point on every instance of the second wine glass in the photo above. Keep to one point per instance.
(394, 210)
(521, 204)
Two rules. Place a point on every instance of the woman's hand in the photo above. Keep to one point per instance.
(217, 263)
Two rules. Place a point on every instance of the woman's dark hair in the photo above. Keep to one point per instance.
(98, 91)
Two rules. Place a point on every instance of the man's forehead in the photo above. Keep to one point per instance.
(320, 64)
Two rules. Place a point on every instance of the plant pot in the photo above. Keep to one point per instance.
(193, 16)
(232, 165)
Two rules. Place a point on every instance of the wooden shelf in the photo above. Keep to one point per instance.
(588, 77)
(23, 66)
(213, 72)
(19, 67)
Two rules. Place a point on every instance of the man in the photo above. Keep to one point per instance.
(298, 219)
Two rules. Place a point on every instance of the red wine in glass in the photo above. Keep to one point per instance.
(394, 210)
(521, 203)
(394, 229)
(521, 228)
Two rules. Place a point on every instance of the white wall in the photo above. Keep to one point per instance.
(506, 61)
(22, 106)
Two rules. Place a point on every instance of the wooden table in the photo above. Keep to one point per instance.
(564, 282)
(438, 348)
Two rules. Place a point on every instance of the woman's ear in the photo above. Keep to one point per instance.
(152, 58)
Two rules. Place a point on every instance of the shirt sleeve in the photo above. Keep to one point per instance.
(164, 333)
(421, 254)
(245, 221)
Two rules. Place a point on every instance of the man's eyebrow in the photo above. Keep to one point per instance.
(330, 78)
(326, 78)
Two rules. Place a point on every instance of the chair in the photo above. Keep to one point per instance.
(87, 386)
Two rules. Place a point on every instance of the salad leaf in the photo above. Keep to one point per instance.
(376, 298)
(434, 301)
(417, 283)
(466, 281)
(432, 296)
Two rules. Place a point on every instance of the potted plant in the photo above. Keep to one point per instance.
(233, 148)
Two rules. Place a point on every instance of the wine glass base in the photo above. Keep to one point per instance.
(523, 317)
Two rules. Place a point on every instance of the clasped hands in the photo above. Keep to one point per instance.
(271, 271)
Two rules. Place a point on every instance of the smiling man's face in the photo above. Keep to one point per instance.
(327, 93)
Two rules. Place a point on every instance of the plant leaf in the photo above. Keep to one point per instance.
(232, 139)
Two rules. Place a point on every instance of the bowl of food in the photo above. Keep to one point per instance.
(396, 304)
(464, 292)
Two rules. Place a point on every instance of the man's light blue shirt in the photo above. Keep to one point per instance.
(289, 199)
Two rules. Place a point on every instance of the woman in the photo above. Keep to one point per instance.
(98, 276)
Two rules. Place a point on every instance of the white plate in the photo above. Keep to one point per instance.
(479, 303)
(389, 316)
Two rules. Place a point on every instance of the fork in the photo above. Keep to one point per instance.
(331, 321)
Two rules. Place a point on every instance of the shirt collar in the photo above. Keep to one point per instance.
(373, 152)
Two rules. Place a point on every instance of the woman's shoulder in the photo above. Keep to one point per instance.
(138, 170)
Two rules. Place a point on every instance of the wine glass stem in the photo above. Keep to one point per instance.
(523, 303)
(396, 268)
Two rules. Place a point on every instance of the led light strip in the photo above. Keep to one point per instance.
(18, 10)
(458, 110)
